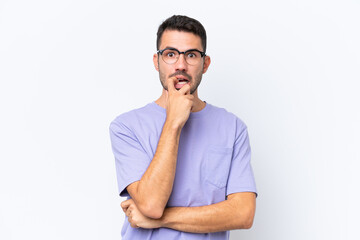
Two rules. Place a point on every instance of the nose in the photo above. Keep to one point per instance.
(181, 64)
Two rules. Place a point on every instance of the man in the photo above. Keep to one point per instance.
(183, 163)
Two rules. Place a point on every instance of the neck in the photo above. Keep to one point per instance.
(198, 103)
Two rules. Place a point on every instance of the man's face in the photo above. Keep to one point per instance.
(181, 69)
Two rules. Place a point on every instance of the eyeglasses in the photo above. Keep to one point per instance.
(171, 55)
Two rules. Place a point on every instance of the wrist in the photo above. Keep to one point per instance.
(164, 220)
(172, 125)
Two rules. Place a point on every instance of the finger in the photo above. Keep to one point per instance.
(124, 209)
(128, 212)
(126, 203)
(171, 84)
(134, 225)
(185, 90)
(166, 99)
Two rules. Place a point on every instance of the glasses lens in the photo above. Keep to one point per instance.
(192, 57)
(170, 56)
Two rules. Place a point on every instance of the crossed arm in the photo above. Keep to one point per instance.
(149, 196)
(237, 212)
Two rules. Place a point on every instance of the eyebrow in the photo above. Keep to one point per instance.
(191, 49)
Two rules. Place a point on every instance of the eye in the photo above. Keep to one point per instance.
(192, 54)
(170, 54)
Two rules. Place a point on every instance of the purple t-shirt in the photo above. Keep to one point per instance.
(213, 161)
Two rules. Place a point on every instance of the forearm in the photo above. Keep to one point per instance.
(222, 216)
(156, 184)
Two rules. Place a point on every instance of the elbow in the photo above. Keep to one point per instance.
(247, 220)
(248, 223)
(155, 214)
(151, 211)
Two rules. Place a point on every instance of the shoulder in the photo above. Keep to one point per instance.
(128, 118)
(227, 117)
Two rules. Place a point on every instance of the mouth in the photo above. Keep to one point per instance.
(182, 79)
(181, 82)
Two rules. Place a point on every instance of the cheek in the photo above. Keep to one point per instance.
(164, 70)
(199, 71)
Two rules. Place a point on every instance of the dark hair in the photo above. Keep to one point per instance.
(182, 23)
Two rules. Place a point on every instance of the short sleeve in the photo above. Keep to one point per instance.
(241, 176)
(131, 160)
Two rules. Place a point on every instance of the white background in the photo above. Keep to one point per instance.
(288, 69)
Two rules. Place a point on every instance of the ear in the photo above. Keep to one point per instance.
(207, 62)
(156, 62)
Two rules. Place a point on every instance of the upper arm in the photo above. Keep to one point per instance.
(131, 160)
(241, 176)
(247, 198)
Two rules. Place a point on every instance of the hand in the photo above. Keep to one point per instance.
(136, 218)
(179, 103)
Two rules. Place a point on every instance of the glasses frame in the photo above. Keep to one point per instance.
(202, 54)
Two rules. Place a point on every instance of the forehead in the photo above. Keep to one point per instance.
(180, 40)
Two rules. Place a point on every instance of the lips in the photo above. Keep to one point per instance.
(182, 78)
(181, 82)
